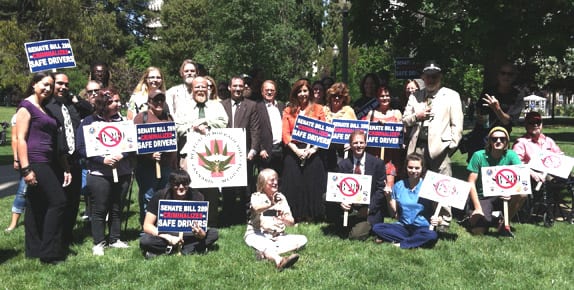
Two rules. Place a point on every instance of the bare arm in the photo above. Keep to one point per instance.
(472, 177)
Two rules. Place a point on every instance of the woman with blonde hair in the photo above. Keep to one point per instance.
(270, 215)
(151, 80)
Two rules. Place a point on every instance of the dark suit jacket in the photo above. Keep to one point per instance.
(266, 141)
(54, 109)
(374, 167)
(246, 117)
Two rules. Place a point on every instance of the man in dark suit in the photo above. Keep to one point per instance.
(68, 111)
(361, 217)
(270, 113)
(241, 113)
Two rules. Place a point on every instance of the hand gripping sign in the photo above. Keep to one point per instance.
(176, 216)
(156, 137)
(505, 180)
(313, 132)
(348, 188)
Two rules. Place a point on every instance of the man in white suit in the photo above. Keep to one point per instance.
(435, 117)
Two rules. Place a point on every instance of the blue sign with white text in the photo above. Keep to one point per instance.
(344, 128)
(313, 132)
(176, 216)
(387, 135)
(156, 137)
(49, 55)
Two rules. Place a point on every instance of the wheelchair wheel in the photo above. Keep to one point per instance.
(548, 220)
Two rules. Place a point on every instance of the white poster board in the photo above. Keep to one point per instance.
(104, 138)
(217, 159)
(444, 189)
(553, 164)
(348, 188)
(506, 180)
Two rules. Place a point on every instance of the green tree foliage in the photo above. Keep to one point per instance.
(463, 31)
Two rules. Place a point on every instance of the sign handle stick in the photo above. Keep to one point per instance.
(506, 218)
(345, 218)
(157, 170)
(436, 212)
(382, 154)
(115, 173)
(180, 244)
(539, 184)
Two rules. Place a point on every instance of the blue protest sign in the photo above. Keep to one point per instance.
(313, 132)
(344, 128)
(387, 135)
(407, 68)
(176, 216)
(156, 137)
(366, 108)
(49, 54)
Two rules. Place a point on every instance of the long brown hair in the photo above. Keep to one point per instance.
(294, 105)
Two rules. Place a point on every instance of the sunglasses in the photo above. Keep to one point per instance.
(93, 92)
(532, 123)
(498, 139)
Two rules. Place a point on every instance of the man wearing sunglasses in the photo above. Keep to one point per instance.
(533, 142)
(496, 153)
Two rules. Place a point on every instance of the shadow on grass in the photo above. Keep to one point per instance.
(7, 254)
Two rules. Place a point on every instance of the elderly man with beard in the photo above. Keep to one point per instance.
(435, 119)
(199, 116)
(66, 108)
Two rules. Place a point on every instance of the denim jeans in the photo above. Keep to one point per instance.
(148, 183)
(19, 204)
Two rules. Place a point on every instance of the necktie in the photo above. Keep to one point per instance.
(357, 167)
(69, 133)
(201, 107)
(234, 110)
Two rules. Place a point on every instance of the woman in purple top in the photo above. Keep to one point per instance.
(35, 132)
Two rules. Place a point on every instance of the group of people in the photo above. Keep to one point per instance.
(50, 153)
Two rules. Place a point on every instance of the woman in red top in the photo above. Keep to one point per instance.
(304, 178)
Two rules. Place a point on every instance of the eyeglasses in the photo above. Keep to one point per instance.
(506, 73)
(533, 123)
(154, 78)
(498, 139)
(93, 92)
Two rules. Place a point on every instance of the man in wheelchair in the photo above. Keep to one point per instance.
(529, 146)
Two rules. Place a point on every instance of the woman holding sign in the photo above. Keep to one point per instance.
(109, 176)
(153, 168)
(270, 214)
(304, 178)
(46, 201)
(337, 107)
(412, 229)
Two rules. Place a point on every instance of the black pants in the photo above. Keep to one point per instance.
(72, 192)
(45, 208)
(106, 197)
(191, 244)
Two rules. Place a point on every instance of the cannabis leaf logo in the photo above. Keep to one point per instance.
(216, 161)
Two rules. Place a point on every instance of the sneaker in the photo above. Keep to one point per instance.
(259, 255)
(149, 255)
(119, 245)
(98, 250)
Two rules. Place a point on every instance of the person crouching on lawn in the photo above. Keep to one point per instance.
(153, 243)
(495, 154)
(270, 215)
(412, 229)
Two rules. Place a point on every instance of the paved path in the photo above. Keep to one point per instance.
(8, 180)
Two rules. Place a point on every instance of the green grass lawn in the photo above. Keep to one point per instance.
(538, 258)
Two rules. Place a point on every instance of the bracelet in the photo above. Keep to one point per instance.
(17, 161)
(25, 171)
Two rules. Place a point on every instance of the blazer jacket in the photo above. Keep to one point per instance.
(246, 117)
(266, 141)
(374, 167)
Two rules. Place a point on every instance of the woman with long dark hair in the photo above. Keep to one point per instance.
(46, 201)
